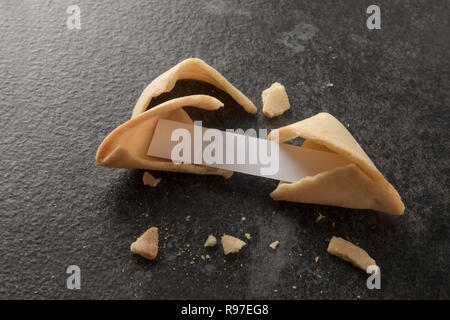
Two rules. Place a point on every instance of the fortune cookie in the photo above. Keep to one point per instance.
(127, 145)
(195, 69)
(358, 185)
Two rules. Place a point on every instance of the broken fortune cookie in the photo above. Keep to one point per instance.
(195, 69)
(358, 185)
(127, 145)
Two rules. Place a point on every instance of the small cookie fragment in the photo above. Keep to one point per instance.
(349, 252)
(231, 244)
(150, 180)
(147, 244)
(248, 236)
(211, 241)
(274, 244)
(275, 100)
(320, 217)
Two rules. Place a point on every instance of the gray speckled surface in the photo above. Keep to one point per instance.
(62, 91)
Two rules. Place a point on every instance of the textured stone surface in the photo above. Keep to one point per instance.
(62, 91)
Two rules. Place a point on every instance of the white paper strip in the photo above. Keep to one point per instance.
(293, 164)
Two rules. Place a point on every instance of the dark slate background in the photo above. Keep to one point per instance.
(62, 91)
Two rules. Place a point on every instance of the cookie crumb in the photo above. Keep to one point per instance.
(248, 236)
(231, 244)
(349, 252)
(275, 100)
(320, 217)
(150, 180)
(274, 244)
(211, 241)
(147, 244)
